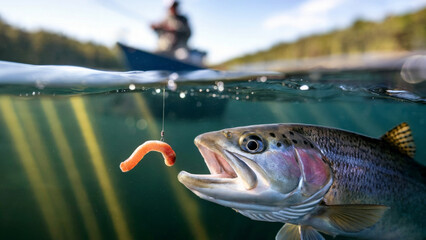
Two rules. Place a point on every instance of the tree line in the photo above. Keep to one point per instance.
(395, 33)
(44, 47)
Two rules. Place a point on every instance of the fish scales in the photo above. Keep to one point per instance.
(316, 179)
(367, 170)
(375, 170)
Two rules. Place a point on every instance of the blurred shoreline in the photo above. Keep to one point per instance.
(361, 61)
(364, 44)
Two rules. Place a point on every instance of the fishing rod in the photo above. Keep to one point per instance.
(122, 10)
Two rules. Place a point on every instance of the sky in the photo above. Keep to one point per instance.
(223, 28)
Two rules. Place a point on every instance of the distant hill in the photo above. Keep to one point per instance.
(43, 47)
(395, 33)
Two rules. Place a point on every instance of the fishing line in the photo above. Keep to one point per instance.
(164, 106)
(123, 10)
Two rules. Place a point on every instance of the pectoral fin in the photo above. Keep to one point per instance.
(353, 218)
(309, 233)
(297, 232)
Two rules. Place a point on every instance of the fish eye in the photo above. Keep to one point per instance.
(251, 143)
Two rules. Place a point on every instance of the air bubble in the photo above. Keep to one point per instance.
(171, 85)
(220, 86)
(174, 76)
(40, 85)
(304, 87)
(141, 124)
(263, 79)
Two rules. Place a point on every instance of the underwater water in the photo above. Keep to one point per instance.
(65, 130)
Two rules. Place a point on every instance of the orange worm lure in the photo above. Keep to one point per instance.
(158, 146)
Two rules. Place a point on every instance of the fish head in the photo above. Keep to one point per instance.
(259, 168)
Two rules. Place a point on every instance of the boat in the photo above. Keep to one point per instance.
(137, 59)
(176, 108)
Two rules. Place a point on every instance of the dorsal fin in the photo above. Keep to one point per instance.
(400, 138)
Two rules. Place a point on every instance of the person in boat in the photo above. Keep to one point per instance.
(173, 33)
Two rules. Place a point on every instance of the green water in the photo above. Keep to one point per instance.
(60, 177)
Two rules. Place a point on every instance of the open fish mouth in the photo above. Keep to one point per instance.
(227, 172)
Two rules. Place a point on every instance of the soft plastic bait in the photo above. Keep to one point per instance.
(159, 146)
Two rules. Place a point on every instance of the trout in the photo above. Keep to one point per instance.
(316, 180)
